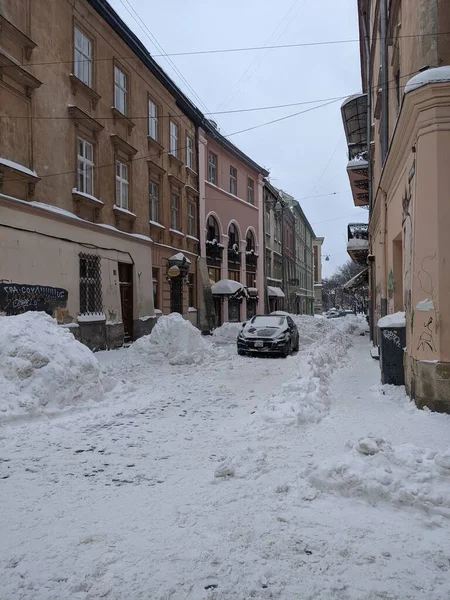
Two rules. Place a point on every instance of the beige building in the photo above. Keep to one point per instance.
(398, 131)
(98, 174)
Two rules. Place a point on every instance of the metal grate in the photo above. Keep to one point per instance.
(90, 284)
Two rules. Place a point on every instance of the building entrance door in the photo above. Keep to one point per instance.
(176, 295)
(126, 299)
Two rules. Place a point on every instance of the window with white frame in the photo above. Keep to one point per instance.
(152, 120)
(85, 166)
(120, 90)
(122, 184)
(212, 168)
(154, 201)
(190, 152)
(233, 181)
(82, 57)
(174, 137)
(175, 211)
(250, 191)
(191, 219)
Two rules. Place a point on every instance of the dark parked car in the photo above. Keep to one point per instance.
(271, 334)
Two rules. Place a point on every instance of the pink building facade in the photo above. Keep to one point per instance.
(231, 227)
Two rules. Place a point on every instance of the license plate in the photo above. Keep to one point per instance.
(259, 344)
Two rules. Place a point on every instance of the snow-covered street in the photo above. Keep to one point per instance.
(198, 475)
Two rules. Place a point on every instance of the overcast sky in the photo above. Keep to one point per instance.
(306, 154)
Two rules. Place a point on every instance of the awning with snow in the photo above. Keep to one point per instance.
(226, 287)
(275, 292)
(358, 280)
(252, 291)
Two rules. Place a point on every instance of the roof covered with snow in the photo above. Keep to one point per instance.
(437, 75)
(275, 291)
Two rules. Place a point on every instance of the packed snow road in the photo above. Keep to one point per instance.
(186, 472)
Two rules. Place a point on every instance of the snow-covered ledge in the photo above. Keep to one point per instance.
(18, 172)
(124, 213)
(436, 75)
(92, 318)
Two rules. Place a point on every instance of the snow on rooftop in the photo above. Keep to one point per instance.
(437, 75)
(357, 164)
(358, 243)
(351, 98)
(397, 319)
(18, 167)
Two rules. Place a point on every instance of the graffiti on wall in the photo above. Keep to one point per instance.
(426, 339)
(392, 336)
(17, 298)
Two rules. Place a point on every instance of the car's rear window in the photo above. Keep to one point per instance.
(270, 321)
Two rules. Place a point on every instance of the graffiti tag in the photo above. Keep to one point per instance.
(17, 298)
(390, 335)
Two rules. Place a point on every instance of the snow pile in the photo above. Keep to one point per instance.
(43, 367)
(403, 475)
(305, 398)
(227, 333)
(351, 324)
(172, 338)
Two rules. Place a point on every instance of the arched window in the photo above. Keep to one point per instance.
(250, 241)
(212, 230)
(233, 237)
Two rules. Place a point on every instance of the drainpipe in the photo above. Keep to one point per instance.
(283, 256)
(366, 25)
(384, 83)
(384, 256)
(262, 253)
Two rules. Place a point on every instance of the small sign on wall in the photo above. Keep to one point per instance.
(17, 298)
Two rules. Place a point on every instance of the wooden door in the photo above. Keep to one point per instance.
(126, 299)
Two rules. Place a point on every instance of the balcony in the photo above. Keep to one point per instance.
(234, 257)
(354, 117)
(251, 261)
(358, 242)
(214, 252)
(358, 174)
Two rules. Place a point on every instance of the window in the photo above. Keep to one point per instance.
(233, 181)
(213, 274)
(174, 135)
(233, 237)
(250, 186)
(267, 223)
(191, 290)
(120, 90)
(277, 232)
(191, 219)
(251, 280)
(82, 57)
(153, 190)
(152, 120)
(155, 278)
(234, 275)
(212, 168)
(122, 184)
(85, 166)
(174, 211)
(190, 152)
(250, 241)
(268, 263)
(212, 230)
(90, 284)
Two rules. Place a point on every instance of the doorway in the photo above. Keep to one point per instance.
(126, 299)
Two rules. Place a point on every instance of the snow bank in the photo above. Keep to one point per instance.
(395, 320)
(43, 367)
(173, 338)
(226, 333)
(403, 475)
(305, 398)
(351, 324)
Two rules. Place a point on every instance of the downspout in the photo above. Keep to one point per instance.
(283, 255)
(263, 253)
(384, 83)
(383, 265)
(366, 23)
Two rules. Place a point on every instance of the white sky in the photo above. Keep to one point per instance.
(297, 150)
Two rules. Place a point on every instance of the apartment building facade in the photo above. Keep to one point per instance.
(398, 136)
(318, 288)
(99, 194)
(231, 228)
